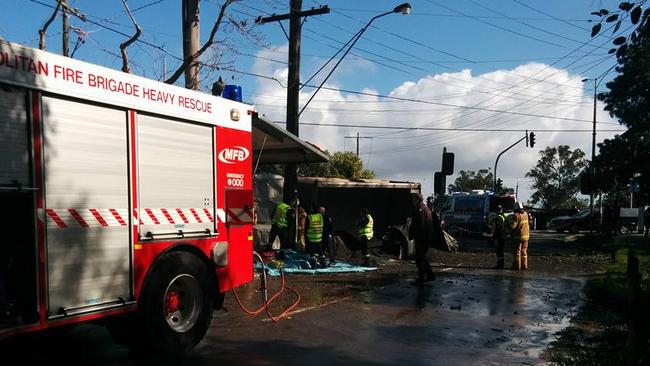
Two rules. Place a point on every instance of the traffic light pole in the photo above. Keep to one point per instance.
(496, 163)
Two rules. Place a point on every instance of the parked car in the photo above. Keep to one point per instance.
(574, 223)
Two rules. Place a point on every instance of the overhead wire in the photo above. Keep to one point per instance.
(548, 76)
(409, 40)
(508, 85)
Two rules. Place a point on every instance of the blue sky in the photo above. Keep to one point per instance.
(520, 56)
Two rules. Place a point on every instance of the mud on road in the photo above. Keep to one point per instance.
(470, 315)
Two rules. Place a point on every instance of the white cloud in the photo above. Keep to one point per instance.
(415, 155)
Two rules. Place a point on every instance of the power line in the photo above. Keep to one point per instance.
(448, 15)
(406, 39)
(548, 66)
(497, 26)
(565, 21)
(452, 105)
(524, 23)
(345, 125)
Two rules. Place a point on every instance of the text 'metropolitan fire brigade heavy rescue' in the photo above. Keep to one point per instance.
(121, 198)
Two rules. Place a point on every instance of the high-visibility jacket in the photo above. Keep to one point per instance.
(279, 218)
(520, 226)
(315, 230)
(367, 229)
(500, 230)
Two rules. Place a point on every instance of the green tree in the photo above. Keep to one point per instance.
(341, 165)
(468, 180)
(556, 179)
(628, 99)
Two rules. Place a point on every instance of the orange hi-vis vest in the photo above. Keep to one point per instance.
(521, 226)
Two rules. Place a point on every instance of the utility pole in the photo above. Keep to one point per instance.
(66, 29)
(191, 41)
(293, 89)
(593, 151)
(357, 137)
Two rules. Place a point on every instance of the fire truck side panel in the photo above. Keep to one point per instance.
(234, 161)
(176, 179)
(86, 206)
(14, 147)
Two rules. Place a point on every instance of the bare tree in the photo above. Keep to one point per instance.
(188, 60)
(43, 31)
(124, 45)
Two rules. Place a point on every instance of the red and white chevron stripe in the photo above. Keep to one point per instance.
(86, 217)
(240, 216)
(107, 217)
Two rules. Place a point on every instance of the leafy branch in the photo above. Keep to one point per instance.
(626, 10)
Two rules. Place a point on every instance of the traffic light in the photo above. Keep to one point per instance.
(447, 163)
(586, 183)
(438, 183)
(499, 185)
(531, 139)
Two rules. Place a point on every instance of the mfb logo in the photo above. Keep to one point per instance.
(233, 155)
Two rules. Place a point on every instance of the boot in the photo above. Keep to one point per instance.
(516, 265)
(366, 260)
(323, 262)
(524, 262)
(499, 264)
(313, 262)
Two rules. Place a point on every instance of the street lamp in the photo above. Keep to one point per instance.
(593, 144)
(404, 8)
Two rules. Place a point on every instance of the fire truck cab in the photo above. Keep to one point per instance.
(121, 198)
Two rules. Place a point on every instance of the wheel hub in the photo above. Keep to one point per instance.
(182, 302)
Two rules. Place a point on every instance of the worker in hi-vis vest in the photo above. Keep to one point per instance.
(499, 236)
(314, 236)
(521, 235)
(280, 218)
(364, 226)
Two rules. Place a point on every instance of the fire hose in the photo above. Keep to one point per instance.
(265, 299)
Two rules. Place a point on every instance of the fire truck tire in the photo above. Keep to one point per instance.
(176, 303)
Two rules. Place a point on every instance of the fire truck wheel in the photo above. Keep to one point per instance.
(176, 303)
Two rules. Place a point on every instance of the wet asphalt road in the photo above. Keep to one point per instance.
(467, 316)
(479, 318)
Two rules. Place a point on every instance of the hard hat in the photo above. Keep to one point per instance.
(519, 206)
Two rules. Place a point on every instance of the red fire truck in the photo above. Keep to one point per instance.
(121, 198)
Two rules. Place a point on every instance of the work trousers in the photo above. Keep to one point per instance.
(421, 262)
(314, 249)
(363, 244)
(521, 255)
(499, 245)
(282, 233)
(330, 246)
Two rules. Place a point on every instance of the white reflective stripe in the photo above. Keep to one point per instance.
(202, 214)
(146, 219)
(105, 217)
(176, 218)
(221, 215)
(108, 217)
(190, 216)
(64, 218)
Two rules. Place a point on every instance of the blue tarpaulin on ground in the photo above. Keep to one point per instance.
(298, 263)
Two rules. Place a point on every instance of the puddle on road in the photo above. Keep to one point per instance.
(512, 314)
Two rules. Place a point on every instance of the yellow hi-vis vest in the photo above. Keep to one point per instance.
(367, 230)
(315, 230)
(279, 218)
